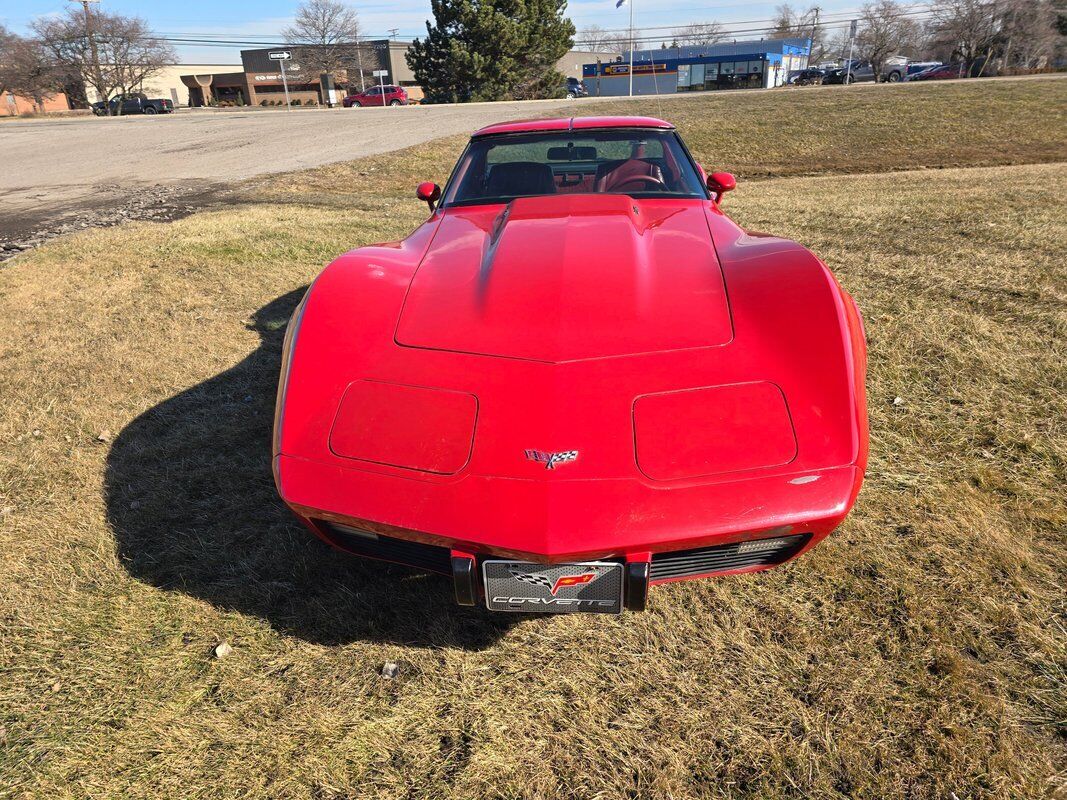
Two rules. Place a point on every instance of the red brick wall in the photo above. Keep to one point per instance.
(24, 105)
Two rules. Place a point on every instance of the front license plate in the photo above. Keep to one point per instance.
(594, 586)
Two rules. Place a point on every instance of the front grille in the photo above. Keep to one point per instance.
(387, 548)
(724, 557)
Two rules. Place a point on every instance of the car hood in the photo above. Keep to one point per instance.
(566, 278)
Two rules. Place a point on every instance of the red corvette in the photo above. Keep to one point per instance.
(575, 379)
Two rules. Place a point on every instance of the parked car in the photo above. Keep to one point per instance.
(859, 72)
(915, 67)
(940, 73)
(377, 96)
(132, 104)
(575, 88)
(577, 378)
(809, 77)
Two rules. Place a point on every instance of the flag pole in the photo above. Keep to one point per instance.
(631, 48)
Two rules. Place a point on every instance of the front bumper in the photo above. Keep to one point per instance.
(662, 532)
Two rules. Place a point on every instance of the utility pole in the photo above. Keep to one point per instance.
(814, 28)
(98, 76)
(631, 48)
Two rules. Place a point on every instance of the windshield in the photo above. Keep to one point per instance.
(636, 162)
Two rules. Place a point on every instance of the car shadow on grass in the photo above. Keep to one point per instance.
(192, 503)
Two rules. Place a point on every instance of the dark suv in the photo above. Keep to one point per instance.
(377, 96)
(809, 77)
(858, 72)
(575, 88)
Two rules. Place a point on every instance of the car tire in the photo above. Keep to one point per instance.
(394, 102)
(149, 109)
(356, 104)
(893, 77)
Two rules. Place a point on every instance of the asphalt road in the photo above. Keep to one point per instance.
(62, 174)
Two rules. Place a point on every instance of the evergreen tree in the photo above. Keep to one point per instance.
(492, 50)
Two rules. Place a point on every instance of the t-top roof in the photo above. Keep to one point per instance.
(571, 123)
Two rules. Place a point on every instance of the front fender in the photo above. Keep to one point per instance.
(348, 317)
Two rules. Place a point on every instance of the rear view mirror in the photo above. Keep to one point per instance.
(429, 192)
(572, 153)
(719, 183)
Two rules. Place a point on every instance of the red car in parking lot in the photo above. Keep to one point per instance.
(377, 96)
(940, 73)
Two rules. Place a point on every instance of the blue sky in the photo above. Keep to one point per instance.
(266, 18)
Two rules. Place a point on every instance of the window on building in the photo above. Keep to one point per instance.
(683, 77)
(711, 76)
(696, 79)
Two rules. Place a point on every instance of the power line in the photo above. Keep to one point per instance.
(829, 21)
(268, 39)
(726, 37)
(845, 15)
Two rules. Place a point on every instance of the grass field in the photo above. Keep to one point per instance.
(919, 652)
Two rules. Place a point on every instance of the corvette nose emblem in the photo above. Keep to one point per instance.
(551, 459)
(560, 583)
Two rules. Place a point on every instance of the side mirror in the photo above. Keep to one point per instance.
(429, 193)
(719, 183)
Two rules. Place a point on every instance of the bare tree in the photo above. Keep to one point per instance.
(790, 23)
(7, 43)
(593, 37)
(884, 30)
(28, 69)
(615, 41)
(111, 53)
(963, 29)
(702, 33)
(1029, 34)
(327, 32)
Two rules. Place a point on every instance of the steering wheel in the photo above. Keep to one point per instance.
(642, 180)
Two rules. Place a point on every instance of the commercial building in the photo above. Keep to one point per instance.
(758, 64)
(14, 105)
(258, 80)
(167, 83)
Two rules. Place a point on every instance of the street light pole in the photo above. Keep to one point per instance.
(848, 61)
(285, 86)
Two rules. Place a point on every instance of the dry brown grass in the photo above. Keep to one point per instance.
(919, 651)
(810, 131)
